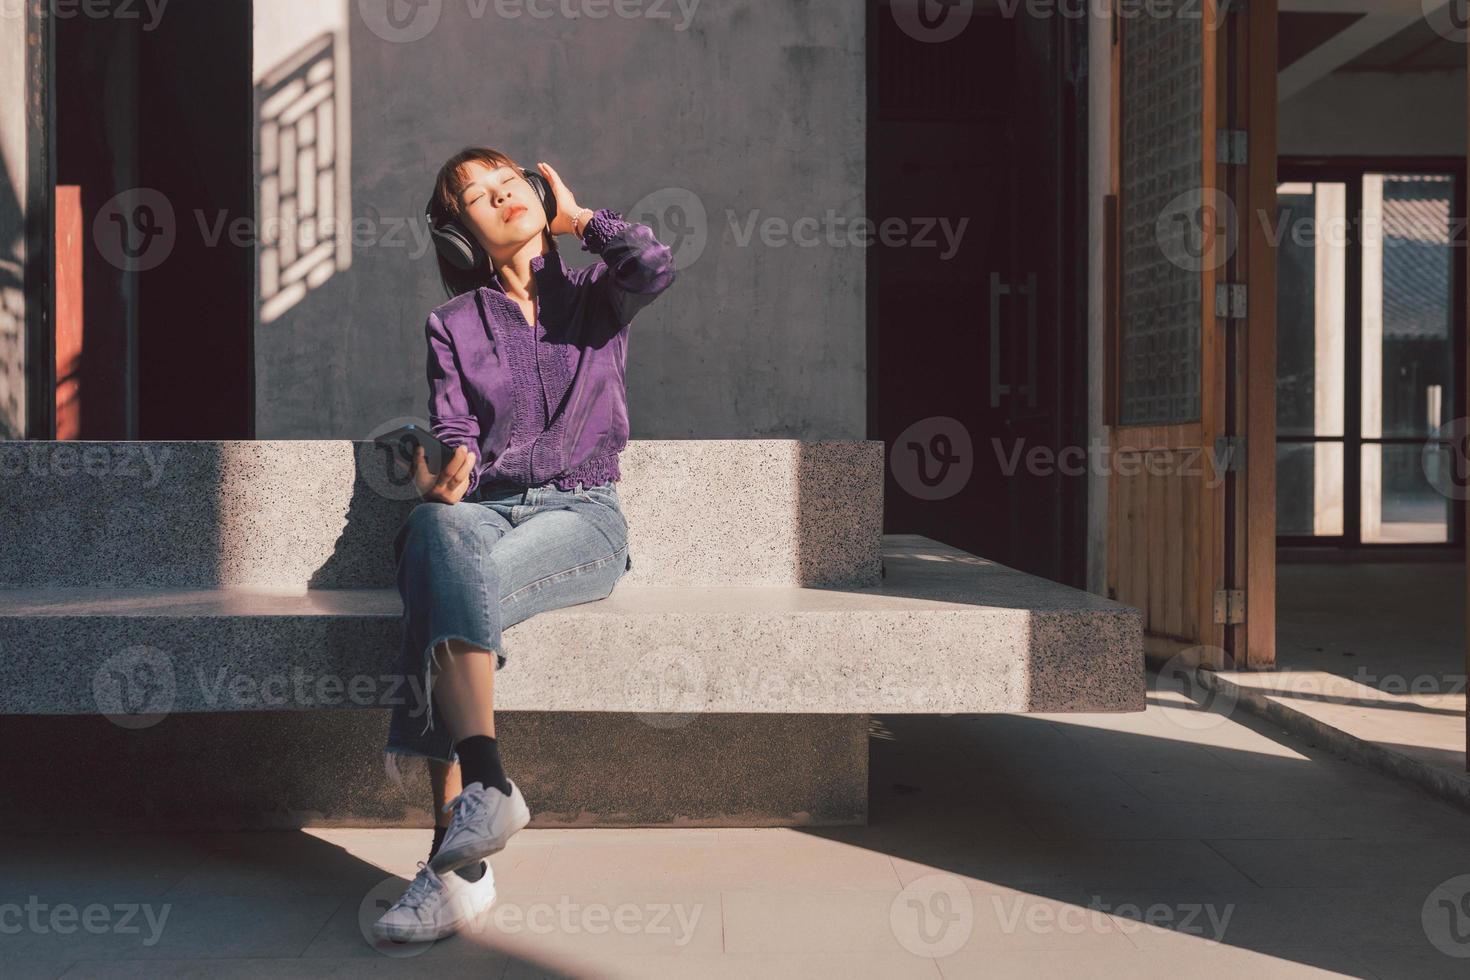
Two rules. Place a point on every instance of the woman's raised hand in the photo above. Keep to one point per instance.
(449, 484)
(566, 202)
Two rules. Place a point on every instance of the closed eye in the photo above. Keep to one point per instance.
(509, 175)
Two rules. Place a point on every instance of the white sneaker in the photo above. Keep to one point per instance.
(484, 818)
(434, 907)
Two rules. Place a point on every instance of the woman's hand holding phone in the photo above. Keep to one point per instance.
(449, 484)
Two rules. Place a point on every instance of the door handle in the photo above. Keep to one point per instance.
(998, 387)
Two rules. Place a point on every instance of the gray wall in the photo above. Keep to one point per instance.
(13, 180)
(756, 108)
(1364, 114)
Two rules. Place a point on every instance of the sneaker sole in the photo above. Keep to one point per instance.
(407, 934)
(452, 859)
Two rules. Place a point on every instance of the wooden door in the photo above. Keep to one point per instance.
(1190, 381)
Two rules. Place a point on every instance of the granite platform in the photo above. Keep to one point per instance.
(943, 632)
(162, 589)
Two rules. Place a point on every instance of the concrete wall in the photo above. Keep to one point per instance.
(728, 112)
(1376, 114)
(13, 180)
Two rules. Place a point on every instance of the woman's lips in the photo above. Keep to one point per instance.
(511, 211)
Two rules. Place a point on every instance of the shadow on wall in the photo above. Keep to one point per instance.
(305, 214)
(190, 514)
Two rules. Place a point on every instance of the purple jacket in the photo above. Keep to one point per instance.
(547, 404)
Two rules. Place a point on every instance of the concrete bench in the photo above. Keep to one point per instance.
(152, 579)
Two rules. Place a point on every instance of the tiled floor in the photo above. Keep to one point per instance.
(1376, 652)
(1169, 843)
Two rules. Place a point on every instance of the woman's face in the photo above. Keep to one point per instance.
(500, 207)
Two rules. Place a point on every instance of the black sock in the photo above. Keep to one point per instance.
(438, 839)
(479, 762)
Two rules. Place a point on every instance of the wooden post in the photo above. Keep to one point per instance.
(69, 308)
(1258, 383)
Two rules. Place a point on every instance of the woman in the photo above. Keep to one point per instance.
(526, 379)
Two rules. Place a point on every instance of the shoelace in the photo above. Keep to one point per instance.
(465, 807)
(422, 886)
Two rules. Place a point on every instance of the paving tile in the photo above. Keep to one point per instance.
(737, 966)
(930, 917)
(763, 835)
(1007, 918)
(589, 921)
(897, 822)
(1218, 963)
(1093, 864)
(599, 836)
(973, 851)
(1128, 753)
(648, 864)
(1423, 962)
(195, 927)
(990, 839)
(1266, 920)
(1366, 820)
(1058, 786)
(19, 969)
(1345, 863)
(795, 862)
(611, 922)
(809, 921)
(92, 867)
(273, 865)
(1311, 784)
(268, 969)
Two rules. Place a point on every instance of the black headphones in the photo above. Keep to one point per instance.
(461, 249)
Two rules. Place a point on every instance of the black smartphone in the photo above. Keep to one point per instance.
(402, 441)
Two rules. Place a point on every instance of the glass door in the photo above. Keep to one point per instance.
(1368, 354)
(1311, 332)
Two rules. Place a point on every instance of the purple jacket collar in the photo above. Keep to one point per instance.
(545, 272)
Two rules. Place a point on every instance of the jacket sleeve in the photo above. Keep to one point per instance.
(451, 419)
(636, 267)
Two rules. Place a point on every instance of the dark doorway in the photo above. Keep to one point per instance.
(153, 129)
(977, 360)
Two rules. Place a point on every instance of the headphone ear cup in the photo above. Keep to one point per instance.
(457, 248)
(543, 191)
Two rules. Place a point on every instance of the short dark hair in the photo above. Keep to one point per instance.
(444, 207)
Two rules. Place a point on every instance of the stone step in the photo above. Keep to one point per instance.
(944, 631)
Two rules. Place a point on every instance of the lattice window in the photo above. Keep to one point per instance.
(1161, 173)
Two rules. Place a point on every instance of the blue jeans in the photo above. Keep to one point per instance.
(471, 570)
